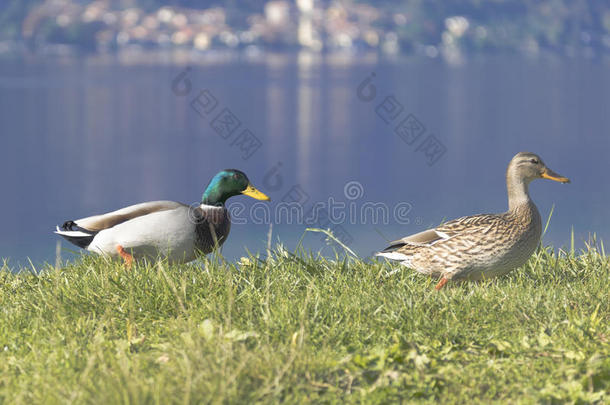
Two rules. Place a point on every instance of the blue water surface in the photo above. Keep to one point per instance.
(397, 145)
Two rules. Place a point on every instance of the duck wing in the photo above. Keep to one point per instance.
(479, 224)
(82, 231)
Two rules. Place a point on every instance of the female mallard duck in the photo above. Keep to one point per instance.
(171, 229)
(481, 246)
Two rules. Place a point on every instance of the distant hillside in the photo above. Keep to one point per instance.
(430, 27)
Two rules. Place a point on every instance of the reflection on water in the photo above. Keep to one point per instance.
(86, 137)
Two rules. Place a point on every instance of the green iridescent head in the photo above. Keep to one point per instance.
(229, 183)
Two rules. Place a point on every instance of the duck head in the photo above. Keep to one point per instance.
(529, 166)
(229, 183)
(522, 169)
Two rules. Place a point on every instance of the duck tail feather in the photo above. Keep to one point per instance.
(75, 234)
(391, 248)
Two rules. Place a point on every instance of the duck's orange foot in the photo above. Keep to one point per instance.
(441, 283)
(126, 256)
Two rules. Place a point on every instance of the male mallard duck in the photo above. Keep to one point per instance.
(171, 229)
(481, 246)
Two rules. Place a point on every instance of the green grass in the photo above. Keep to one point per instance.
(300, 328)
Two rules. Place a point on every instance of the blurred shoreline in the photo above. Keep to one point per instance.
(182, 57)
(451, 32)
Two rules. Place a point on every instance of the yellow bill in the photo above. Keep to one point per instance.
(251, 191)
(551, 175)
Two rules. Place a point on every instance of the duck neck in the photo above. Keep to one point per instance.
(518, 191)
(213, 196)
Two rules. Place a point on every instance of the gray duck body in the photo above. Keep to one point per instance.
(164, 229)
(153, 230)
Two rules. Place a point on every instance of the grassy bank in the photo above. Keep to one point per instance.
(298, 328)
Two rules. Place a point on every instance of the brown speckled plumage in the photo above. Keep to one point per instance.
(481, 246)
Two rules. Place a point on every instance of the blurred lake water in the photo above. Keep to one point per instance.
(427, 141)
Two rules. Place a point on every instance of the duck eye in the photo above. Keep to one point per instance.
(534, 161)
